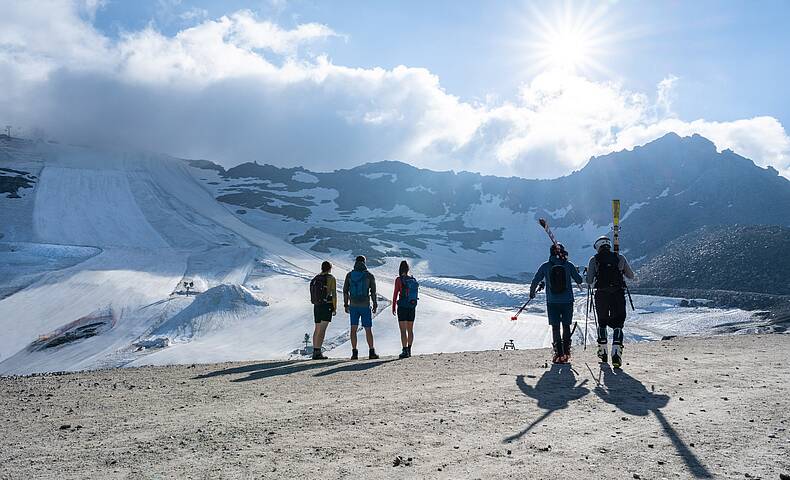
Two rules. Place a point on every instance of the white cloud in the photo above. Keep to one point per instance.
(238, 88)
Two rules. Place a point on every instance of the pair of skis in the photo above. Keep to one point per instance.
(616, 241)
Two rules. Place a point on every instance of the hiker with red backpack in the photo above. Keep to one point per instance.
(557, 273)
(359, 291)
(323, 296)
(404, 304)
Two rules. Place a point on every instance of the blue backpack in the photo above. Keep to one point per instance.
(358, 285)
(409, 289)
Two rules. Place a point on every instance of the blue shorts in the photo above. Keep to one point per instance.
(362, 313)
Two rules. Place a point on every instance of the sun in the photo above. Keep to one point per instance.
(567, 50)
(572, 38)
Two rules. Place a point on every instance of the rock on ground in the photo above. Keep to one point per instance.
(683, 408)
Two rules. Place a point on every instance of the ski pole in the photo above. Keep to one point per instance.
(586, 316)
(630, 300)
(515, 317)
(540, 287)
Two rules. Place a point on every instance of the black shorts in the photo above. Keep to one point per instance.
(322, 313)
(406, 314)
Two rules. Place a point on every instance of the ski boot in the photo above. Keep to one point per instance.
(602, 354)
(567, 353)
(372, 354)
(617, 356)
(354, 354)
(558, 357)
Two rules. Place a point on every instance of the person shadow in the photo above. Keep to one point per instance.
(630, 396)
(554, 391)
(258, 371)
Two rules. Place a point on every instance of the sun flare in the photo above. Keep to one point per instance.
(572, 39)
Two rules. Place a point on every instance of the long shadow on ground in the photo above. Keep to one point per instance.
(554, 391)
(257, 371)
(354, 367)
(630, 395)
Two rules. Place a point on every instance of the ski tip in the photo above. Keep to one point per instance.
(542, 222)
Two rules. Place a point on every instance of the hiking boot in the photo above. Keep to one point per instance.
(318, 355)
(354, 354)
(404, 353)
(617, 356)
(602, 354)
(372, 355)
(408, 351)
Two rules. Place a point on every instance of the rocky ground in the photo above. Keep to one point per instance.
(683, 408)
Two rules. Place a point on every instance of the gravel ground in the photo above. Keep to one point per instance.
(682, 408)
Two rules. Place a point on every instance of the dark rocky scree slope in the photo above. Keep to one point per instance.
(746, 258)
(742, 266)
(679, 184)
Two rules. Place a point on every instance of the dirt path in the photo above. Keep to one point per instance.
(684, 408)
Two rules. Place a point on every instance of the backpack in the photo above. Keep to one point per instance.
(358, 285)
(319, 294)
(409, 289)
(558, 279)
(609, 275)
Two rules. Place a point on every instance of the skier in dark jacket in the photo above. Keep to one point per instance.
(558, 272)
(359, 290)
(605, 273)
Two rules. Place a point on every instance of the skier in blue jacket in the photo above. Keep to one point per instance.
(557, 273)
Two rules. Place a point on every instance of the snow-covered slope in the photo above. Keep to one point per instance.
(97, 246)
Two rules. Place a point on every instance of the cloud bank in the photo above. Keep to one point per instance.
(240, 88)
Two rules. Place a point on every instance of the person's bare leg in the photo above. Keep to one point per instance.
(320, 333)
(354, 336)
(409, 333)
(369, 337)
(404, 334)
(317, 336)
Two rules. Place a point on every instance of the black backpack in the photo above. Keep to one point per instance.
(609, 275)
(558, 279)
(319, 293)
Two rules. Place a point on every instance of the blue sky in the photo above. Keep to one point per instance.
(732, 56)
(466, 85)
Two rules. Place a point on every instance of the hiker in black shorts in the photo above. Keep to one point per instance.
(323, 295)
(404, 302)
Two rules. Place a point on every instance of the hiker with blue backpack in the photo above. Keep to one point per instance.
(359, 291)
(558, 272)
(404, 304)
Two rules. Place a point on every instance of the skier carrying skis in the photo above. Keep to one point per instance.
(323, 296)
(359, 290)
(404, 300)
(558, 272)
(605, 273)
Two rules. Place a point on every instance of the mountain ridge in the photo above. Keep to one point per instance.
(667, 188)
